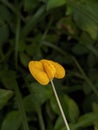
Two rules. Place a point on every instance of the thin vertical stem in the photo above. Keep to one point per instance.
(60, 107)
(21, 108)
(17, 41)
(41, 121)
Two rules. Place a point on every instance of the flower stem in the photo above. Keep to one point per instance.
(59, 105)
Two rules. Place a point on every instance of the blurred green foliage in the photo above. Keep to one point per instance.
(65, 31)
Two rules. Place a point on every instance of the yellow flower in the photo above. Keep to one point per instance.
(45, 70)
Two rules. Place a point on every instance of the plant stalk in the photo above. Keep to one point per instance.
(21, 108)
(59, 105)
(41, 121)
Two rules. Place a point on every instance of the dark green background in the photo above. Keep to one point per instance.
(65, 31)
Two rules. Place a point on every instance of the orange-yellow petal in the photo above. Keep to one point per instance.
(49, 68)
(37, 71)
(60, 71)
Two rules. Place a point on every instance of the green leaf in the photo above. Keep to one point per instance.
(12, 121)
(54, 105)
(33, 21)
(86, 17)
(29, 103)
(95, 107)
(55, 3)
(4, 32)
(73, 111)
(6, 15)
(5, 95)
(39, 94)
(30, 4)
(87, 120)
(85, 39)
(37, 47)
(80, 49)
(59, 123)
(24, 58)
(71, 107)
(8, 77)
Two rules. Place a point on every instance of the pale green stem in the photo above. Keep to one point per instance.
(41, 122)
(59, 105)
